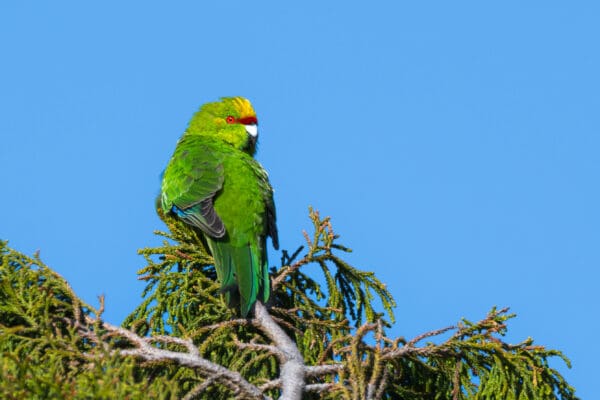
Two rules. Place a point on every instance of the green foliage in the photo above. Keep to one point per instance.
(182, 299)
(55, 346)
(44, 356)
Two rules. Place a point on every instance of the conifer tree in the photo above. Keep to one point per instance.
(322, 335)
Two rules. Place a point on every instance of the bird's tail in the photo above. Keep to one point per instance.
(243, 273)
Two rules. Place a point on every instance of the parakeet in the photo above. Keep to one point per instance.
(214, 184)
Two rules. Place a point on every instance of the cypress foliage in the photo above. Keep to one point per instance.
(54, 346)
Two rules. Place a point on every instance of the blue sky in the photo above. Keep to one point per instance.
(455, 144)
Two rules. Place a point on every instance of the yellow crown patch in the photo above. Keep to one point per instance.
(243, 105)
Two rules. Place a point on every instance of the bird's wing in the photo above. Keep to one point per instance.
(271, 220)
(191, 180)
(270, 215)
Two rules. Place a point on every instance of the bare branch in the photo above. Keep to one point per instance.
(316, 370)
(319, 387)
(230, 323)
(410, 348)
(292, 366)
(288, 270)
(275, 383)
(200, 388)
(261, 347)
(144, 349)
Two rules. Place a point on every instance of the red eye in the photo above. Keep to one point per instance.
(230, 119)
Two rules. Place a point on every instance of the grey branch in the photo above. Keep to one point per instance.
(316, 370)
(292, 375)
(144, 349)
(292, 362)
(410, 348)
(293, 372)
(319, 387)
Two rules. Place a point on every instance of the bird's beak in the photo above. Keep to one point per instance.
(252, 130)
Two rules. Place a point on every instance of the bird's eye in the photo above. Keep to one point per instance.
(230, 119)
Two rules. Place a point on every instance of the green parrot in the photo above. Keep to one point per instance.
(214, 184)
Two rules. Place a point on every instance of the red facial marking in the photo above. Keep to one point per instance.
(248, 121)
(230, 119)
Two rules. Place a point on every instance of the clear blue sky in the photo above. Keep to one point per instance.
(455, 144)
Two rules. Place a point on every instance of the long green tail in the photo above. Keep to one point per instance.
(243, 273)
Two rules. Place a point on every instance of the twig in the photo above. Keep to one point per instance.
(316, 370)
(288, 270)
(410, 348)
(275, 383)
(199, 388)
(260, 347)
(319, 387)
(456, 379)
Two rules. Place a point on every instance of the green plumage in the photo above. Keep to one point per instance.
(213, 183)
